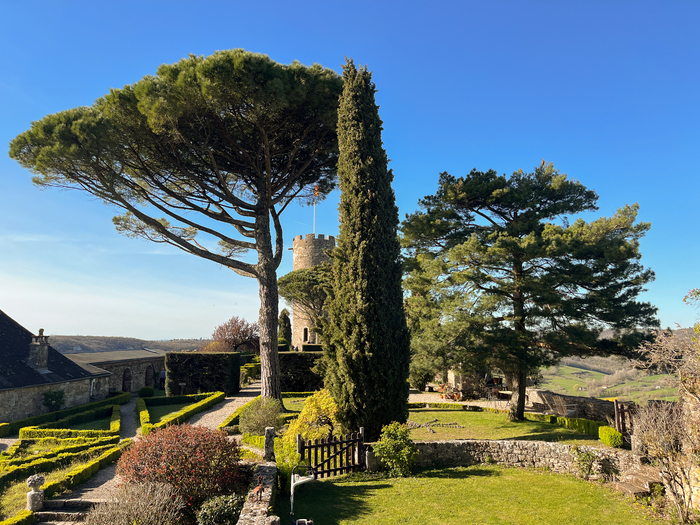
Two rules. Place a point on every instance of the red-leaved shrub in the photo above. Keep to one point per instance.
(198, 462)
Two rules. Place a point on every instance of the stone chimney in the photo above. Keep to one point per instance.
(39, 350)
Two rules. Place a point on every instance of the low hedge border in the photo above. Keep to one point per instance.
(35, 466)
(83, 417)
(63, 450)
(610, 436)
(84, 472)
(25, 517)
(62, 433)
(142, 412)
(175, 400)
(253, 441)
(184, 414)
(234, 418)
(13, 427)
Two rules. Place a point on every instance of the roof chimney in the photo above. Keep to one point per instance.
(39, 350)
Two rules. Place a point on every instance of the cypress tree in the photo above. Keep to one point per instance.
(366, 340)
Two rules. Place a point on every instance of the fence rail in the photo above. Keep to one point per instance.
(335, 455)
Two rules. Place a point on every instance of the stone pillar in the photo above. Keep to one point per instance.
(35, 498)
(269, 444)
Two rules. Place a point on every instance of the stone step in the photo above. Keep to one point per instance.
(69, 504)
(643, 480)
(631, 489)
(54, 516)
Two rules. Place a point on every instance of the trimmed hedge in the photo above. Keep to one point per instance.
(580, 425)
(298, 394)
(296, 371)
(174, 400)
(83, 473)
(25, 517)
(184, 414)
(253, 440)
(545, 418)
(61, 450)
(61, 433)
(35, 466)
(610, 436)
(13, 427)
(202, 372)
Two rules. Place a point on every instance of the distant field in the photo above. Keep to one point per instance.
(575, 381)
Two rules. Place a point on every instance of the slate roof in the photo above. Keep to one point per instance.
(15, 371)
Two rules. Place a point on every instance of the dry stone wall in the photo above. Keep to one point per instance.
(256, 512)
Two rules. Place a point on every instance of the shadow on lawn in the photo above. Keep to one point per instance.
(459, 473)
(330, 503)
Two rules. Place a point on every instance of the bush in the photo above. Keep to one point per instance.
(146, 391)
(197, 461)
(610, 437)
(260, 413)
(287, 458)
(147, 503)
(221, 510)
(283, 344)
(395, 449)
(318, 419)
(53, 400)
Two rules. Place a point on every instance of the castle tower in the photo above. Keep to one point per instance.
(308, 252)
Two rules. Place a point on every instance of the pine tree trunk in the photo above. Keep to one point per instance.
(517, 401)
(267, 278)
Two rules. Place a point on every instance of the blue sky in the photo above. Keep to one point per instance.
(606, 90)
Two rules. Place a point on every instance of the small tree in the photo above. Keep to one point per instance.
(285, 326)
(54, 400)
(234, 332)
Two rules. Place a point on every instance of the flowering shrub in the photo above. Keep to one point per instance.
(198, 462)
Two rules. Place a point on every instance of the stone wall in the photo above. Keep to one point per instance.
(588, 407)
(137, 369)
(556, 457)
(20, 403)
(256, 512)
(307, 252)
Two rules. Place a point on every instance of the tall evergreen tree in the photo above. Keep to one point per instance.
(285, 326)
(366, 341)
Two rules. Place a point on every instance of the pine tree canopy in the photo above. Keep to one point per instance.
(206, 153)
(498, 274)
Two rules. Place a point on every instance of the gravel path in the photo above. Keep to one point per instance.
(99, 487)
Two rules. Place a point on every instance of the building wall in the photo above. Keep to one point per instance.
(137, 368)
(20, 403)
(307, 252)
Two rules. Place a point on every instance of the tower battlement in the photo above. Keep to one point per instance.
(310, 250)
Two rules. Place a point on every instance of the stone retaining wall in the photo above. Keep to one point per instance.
(255, 512)
(588, 407)
(556, 457)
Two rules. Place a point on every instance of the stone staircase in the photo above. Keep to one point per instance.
(639, 482)
(64, 511)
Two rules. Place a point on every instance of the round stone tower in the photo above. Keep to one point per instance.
(308, 252)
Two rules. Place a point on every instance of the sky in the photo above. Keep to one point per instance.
(606, 90)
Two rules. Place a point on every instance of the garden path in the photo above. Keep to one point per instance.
(99, 487)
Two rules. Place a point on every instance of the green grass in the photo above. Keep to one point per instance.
(97, 424)
(159, 412)
(476, 495)
(293, 404)
(489, 425)
(14, 498)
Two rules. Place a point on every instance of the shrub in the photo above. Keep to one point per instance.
(146, 391)
(584, 460)
(221, 510)
(395, 449)
(53, 400)
(283, 344)
(147, 503)
(197, 461)
(287, 458)
(318, 419)
(260, 413)
(610, 437)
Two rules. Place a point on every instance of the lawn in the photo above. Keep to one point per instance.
(293, 404)
(489, 425)
(465, 495)
(160, 411)
(97, 424)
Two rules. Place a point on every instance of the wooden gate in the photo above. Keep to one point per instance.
(335, 455)
(623, 417)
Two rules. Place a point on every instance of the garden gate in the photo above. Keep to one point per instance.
(335, 455)
(623, 417)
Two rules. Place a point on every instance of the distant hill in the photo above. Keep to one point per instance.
(74, 344)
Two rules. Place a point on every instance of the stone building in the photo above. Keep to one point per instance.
(130, 369)
(307, 252)
(29, 366)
